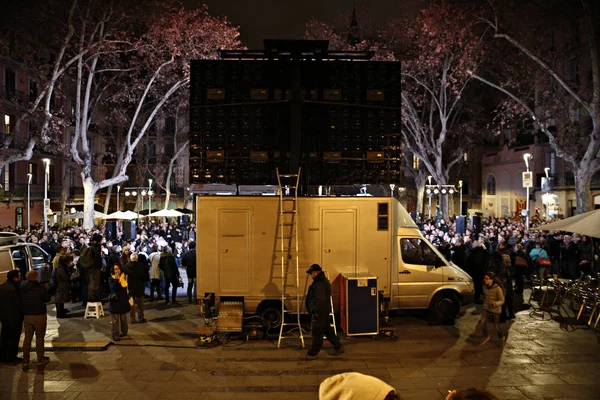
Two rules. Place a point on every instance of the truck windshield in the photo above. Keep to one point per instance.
(417, 251)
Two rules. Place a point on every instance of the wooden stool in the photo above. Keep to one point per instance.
(94, 310)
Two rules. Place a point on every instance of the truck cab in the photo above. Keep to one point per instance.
(424, 279)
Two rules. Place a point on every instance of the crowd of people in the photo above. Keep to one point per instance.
(501, 255)
(88, 268)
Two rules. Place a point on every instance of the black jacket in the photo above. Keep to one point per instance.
(317, 298)
(189, 262)
(34, 298)
(136, 274)
(11, 308)
(168, 265)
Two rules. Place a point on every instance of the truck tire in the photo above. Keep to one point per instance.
(444, 307)
(270, 312)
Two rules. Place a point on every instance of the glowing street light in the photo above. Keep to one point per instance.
(46, 202)
(526, 158)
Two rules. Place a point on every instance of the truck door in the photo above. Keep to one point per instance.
(40, 262)
(338, 242)
(417, 275)
(234, 248)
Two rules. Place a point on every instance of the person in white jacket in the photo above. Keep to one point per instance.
(156, 274)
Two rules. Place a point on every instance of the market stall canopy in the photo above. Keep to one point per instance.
(122, 215)
(585, 224)
(79, 215)
(166, 213)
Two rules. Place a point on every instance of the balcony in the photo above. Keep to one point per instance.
(37, 191)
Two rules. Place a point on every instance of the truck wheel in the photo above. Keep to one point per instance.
(444, 307)
(271, 313)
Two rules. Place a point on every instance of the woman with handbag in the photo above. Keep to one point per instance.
(539, 257)
(119, 304)
(492, 306)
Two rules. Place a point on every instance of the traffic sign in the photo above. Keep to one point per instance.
(527, 179)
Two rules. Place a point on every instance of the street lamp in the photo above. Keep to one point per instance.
(7, 124)
(526, 158)
(429, 195)
(460, 183)
(29, 176)
(144, 194)
(149, 198)
(118, 204)
(46, 202)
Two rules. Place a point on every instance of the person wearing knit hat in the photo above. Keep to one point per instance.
(356, 386)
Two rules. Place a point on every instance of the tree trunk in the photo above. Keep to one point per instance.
(420, 201)
(167, 197)
(443, 199)
(89, 195)
(583, 193)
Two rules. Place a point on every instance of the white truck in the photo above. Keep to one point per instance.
(237, 253)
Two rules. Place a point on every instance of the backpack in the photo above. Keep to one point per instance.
(87, 257)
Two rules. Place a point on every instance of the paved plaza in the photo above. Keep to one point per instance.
(159, 360)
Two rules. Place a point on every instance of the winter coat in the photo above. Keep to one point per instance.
(459, 256)
(477, 262)
(537, 253)
(155, 271)
(568, 253)
(585, 250)
(119, 297)
(495, 295)
(11, 308)
(168, 265)
(62, 284)
(136, 278)
(317, 299)
(189, 262)
(520, 259)
(34, 298)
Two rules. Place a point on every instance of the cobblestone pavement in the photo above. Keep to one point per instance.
(159, 360)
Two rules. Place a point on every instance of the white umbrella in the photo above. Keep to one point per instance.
(585, 224)
(166, 213)
(130, 215)
(79, 215)
(115, 215)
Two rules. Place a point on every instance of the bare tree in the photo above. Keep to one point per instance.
(577, 142)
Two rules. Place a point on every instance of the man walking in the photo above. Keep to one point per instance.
(319, 306)
(189, 262)
(34, 298)
(11, 315)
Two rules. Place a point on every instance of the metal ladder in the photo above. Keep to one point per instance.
(331, 313)
(288, 249)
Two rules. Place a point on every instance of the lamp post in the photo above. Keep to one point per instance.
(526, 158)
(118, 204)
(144, 194)
(547, 172)
(149, 198)
(460, 183)
(29, 176)
(429, 195)
(46, 173)
(7, 124)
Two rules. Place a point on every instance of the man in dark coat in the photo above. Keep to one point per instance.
(318, 304)
(95, 272)
(34, 298)
(168, 265)
(569, 259)
(189, 262)
(136, 273)
(11, 315)
(459, 254)
(476, 266)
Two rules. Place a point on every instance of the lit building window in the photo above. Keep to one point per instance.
(7, 124)
(491, 185)
(415, 163)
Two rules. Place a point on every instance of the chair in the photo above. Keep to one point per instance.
(94, 310)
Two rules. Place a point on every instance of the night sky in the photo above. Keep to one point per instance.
(285, 19)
